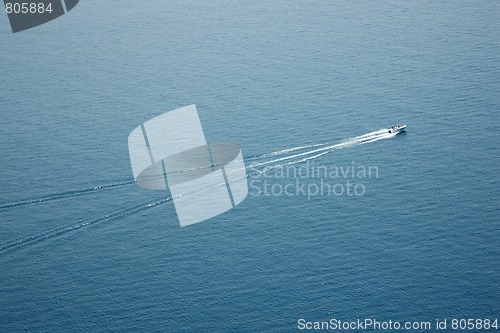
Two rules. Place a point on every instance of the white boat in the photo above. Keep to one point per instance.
(397, 129)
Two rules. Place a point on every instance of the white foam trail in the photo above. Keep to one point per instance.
(365, 138)
(125, 183)
(306, 156)
(296, 155)
(288, 150)
(34, 239)
(324, 145)
(67, 194)
(384, 136)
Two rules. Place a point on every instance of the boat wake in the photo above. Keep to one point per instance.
(35, 239)
(68, 194)
(325, 149)
(261, 164)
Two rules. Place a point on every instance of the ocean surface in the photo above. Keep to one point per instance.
(83, 249)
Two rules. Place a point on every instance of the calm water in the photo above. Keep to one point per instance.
(422, 242)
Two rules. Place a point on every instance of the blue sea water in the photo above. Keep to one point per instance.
(422, 243)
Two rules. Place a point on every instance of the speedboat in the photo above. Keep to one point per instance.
(397, 129)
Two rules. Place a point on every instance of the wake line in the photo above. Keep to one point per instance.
(35, 239)
(305, 159)
(361, 139)
(306, 156)
(125, 183)
(68, 194)
(284, 151)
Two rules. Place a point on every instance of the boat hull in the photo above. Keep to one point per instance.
(397, 129)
